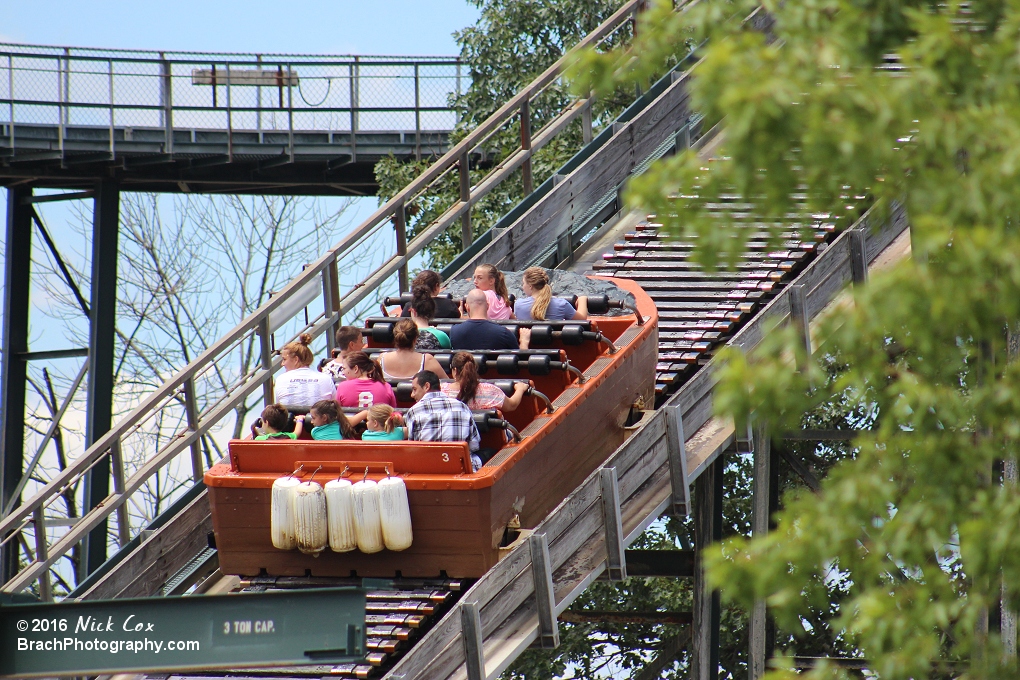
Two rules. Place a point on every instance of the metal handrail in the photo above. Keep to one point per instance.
(324, 269)
(199, 57)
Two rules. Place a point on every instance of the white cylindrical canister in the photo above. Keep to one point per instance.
(340, 515)
(395, 513)
(281, 522)
(366, 516)
(310, 524)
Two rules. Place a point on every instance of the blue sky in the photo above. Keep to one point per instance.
(340, 27)
(391, 27)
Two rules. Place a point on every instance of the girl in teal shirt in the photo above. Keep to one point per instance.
(327, 420)
(382, 424)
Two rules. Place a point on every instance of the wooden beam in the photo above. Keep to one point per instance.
(708, 529)
(677, 452)
(616, 562)
(760, 512)
(160, 556)
(472, 634)
(66, 196)
(606, 169)
(799, 316)
(858, 256)
(545, 597)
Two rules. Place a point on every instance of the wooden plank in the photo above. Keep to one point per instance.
(644, 507)
(760, 504)
(474, 643)
(567, 512)
(707, 445)
(640, 470)
(541, 571)
(616, 564)
(514, 636)
(708, 527)
(496, 610)
(638, 443)
(583, 567)
(589, 523)
(440, 647)
(168, 549)
(602, 172)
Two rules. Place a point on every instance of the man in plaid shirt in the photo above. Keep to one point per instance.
(436, 417)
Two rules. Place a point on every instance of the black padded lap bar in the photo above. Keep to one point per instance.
(506, 362)
(597, 304)
(380, 330)
(389, 320)
(485, 420)
(407, 297)
(402, 388)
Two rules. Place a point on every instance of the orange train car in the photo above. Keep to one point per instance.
(458, 518)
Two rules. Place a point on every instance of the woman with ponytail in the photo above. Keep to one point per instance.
(540, 305)
(300, 386)
(478, 395)
(423, 309)
(491, 281)
(365, 385)
(433, 283)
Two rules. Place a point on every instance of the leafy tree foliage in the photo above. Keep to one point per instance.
(897, 100)
(512, 43)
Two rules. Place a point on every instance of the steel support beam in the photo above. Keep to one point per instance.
(759, 628)
(13, 370)
(708, 496)
(99, 395)
(663, 563)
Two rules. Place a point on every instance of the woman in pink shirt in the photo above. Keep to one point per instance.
(490, 281)
(364, 386)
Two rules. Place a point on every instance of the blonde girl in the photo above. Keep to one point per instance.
(540, 305)
(491, 281)
(382, 424)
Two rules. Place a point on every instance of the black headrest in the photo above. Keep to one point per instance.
(503, 361)
(485, 420)
(404, 298)
(402, 388)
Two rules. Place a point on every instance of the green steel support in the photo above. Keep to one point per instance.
(13, 369)
(99, 408)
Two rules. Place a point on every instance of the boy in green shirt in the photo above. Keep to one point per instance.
(275, 419)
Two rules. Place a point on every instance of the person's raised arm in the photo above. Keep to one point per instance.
(511, 403)
(432, 365)
(581, 311)
(299, 426)
(525, 337)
